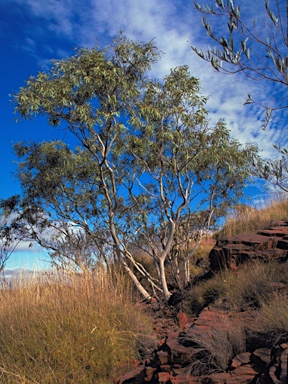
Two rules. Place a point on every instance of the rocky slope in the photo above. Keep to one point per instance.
(179, 359)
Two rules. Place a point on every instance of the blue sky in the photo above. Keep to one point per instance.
(32, 32)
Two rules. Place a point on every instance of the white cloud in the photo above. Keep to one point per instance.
(25, 246)
(172, 24)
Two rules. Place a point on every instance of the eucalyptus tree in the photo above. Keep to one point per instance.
(257, 48)
(194, 171)
(145, 159)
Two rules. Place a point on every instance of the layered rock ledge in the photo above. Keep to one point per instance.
(265, 245)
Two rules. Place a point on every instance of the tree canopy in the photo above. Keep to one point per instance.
(146, 161)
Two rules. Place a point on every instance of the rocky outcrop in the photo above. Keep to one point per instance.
(172, 361)
(181, 357)
(265, 245)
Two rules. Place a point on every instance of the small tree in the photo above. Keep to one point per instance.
(146, 157)
(258, 51)
(72, 249)
(54, 211)
(8, 241)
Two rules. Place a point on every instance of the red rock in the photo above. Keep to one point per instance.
(243, 358)
(220, 378)
(163, 341)
(184, 379)
(163, 357)
(199, 330)
(164, 378)
(275, 231)
(278, 223)
(257, 241)
(262, 355)
(124, 367)
(180, 371)
(182, 320)
(166, 368)
(265, 245)
(177, 350)
(244, 374)
(283, 366)
(149, 373)
(272, 374)
(137, 375)
(173, 335)
(282, 244)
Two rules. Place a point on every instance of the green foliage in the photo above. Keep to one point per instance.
(246, 47)
(8, 241)
(260, 52)
(146, 160)
(275, 171)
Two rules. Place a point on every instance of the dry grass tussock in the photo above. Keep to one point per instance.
(273, 318)
(249, 288)
(68, 329)
(256, 286)
(248, 219)
(214, 351)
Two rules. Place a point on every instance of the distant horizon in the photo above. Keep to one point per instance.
(28, 260)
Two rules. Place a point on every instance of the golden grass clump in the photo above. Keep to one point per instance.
(249, 288)
(273, 317)
(68, 329)
(253, 284)
(246, 219)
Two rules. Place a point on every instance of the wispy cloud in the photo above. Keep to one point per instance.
(173, 25)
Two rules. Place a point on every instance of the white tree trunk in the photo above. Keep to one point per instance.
(137, 283)
(188, 257)
(186, 272)
(166, 292)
